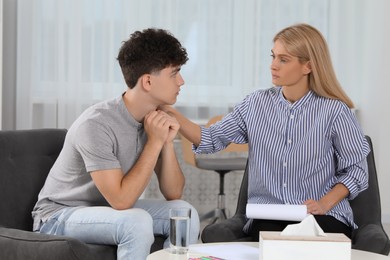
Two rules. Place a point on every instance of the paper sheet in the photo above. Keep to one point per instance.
(276, 211)
(230, 251)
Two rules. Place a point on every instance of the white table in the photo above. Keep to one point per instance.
(250, 248)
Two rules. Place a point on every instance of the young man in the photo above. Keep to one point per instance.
(111, 151)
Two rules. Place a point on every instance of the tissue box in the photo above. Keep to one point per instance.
(333, 246)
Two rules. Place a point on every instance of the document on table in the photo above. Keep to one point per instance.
(276, 211)
(230, 251)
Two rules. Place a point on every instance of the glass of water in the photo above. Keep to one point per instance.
(179, 230)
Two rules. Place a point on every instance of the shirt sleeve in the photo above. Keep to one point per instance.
(351, 150)
(95, 145)
(231, 129)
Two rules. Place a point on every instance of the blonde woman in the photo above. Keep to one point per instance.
(305, 144)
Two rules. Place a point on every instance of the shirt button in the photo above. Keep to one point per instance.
(291, 116)
(289, 141)
(284, 164)
(284, 185)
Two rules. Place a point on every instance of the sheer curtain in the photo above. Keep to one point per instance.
(67, 51)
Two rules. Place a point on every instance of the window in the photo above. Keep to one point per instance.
(67, 51)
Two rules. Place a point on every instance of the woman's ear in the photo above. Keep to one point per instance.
(307, 68)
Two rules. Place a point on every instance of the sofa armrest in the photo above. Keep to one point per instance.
(371, 237)
(228, 230)
(19, 244)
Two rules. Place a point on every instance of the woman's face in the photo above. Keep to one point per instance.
(286, 69)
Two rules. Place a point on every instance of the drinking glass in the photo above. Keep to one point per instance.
(179, 234)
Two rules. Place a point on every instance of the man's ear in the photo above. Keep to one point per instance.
(146, 82)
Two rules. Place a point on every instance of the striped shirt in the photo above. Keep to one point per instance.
(297, 151)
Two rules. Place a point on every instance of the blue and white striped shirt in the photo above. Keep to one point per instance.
(297, 151)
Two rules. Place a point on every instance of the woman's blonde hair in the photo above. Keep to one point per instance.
(308, 44)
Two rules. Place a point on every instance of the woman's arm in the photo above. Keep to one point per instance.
(188, 129)
(327, 202)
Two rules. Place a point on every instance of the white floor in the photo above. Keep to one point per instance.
(387, 228)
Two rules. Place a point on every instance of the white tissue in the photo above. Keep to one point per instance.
(307, 227)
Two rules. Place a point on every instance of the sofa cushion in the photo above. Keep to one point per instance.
(26, 157)
(19, 244)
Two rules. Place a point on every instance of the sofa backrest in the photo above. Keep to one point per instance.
(26, 157)
(367, 205)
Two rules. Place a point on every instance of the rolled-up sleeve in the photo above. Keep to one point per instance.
(351, 150)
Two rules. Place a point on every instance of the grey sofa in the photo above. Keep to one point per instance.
(370, 236)
(26, 157)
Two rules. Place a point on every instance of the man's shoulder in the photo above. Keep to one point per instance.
(105, 107)
(100, 112)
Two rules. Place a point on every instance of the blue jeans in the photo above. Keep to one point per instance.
(132, 230)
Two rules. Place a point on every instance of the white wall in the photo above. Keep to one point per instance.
(375, 94)
(366, 24)
(1, 59)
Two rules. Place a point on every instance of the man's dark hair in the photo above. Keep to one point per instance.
(148, 51)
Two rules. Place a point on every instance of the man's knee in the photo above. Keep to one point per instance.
(137, 223)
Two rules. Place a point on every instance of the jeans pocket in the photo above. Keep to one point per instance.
(53, 225)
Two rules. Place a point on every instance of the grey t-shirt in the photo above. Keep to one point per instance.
(105, 136)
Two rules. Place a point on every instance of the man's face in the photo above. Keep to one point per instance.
(166, 85)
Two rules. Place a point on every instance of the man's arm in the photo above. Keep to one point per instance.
(170, 177)
(169, 174)
(122, 190)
